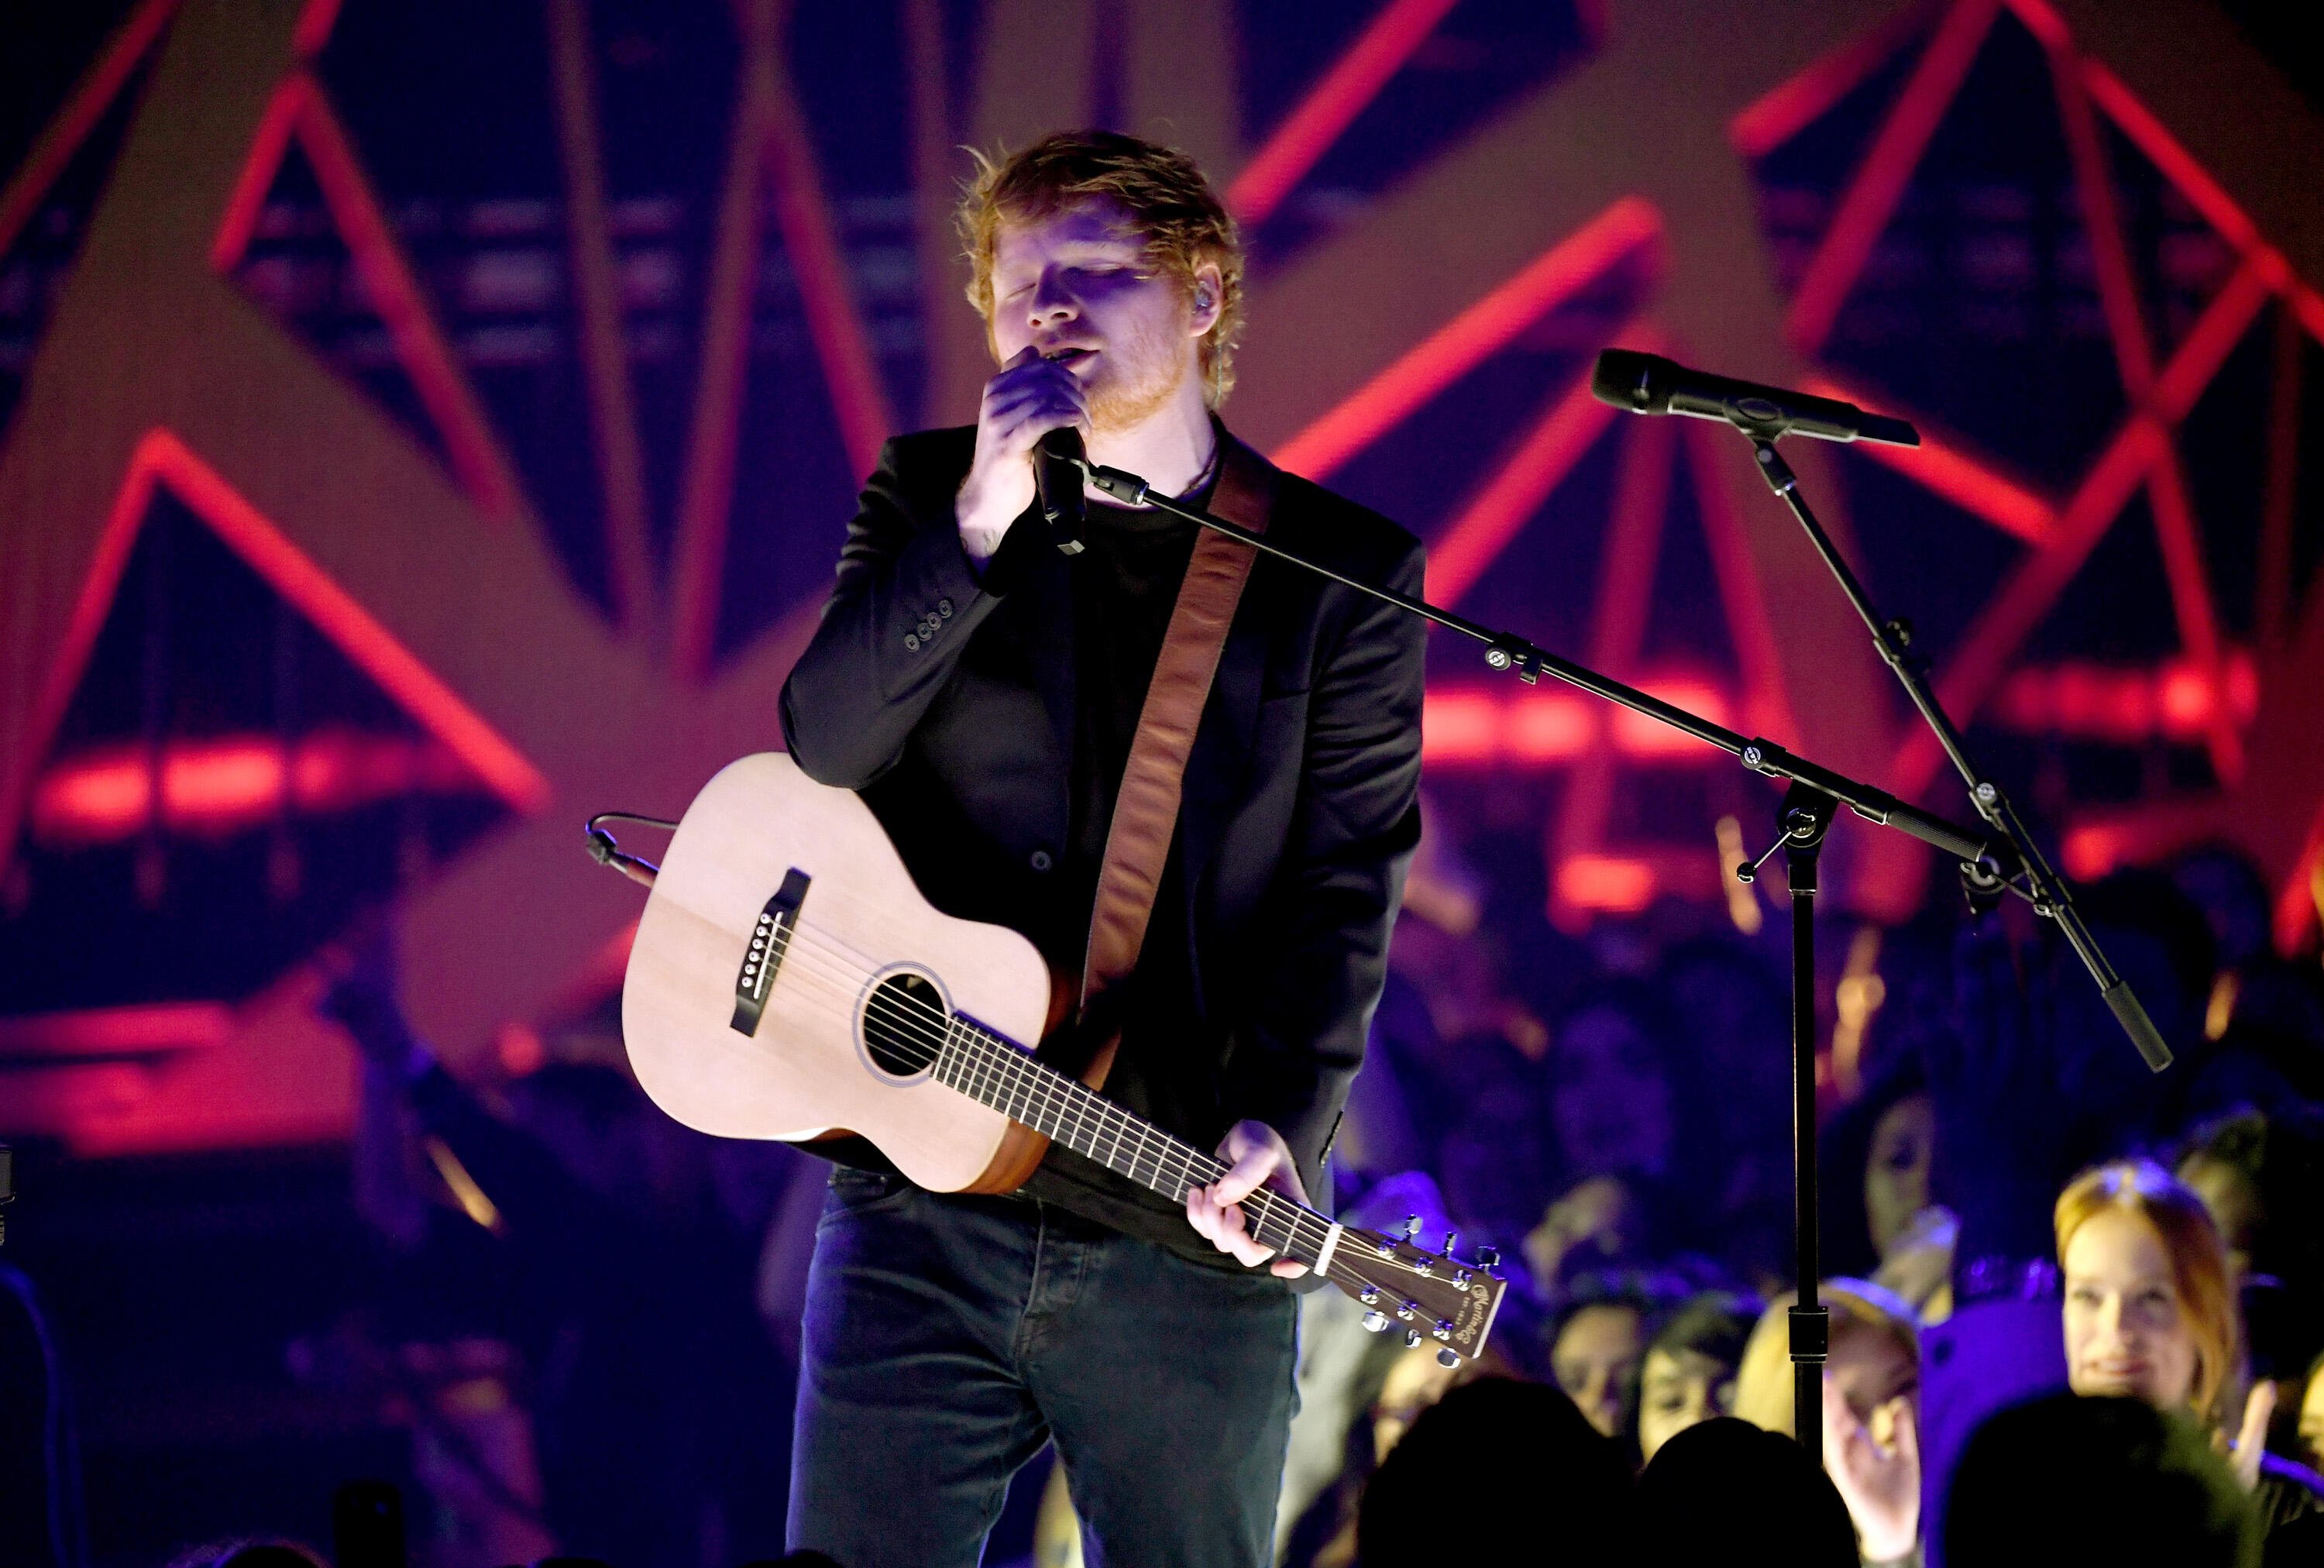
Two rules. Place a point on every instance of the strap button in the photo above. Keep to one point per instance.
(944, 608)
(1041, 861)
(911, 643)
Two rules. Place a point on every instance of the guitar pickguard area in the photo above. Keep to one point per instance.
(901, 1023)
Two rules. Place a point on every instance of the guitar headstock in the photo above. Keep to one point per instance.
(1429, 1297)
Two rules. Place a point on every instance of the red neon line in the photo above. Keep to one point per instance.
(1625, 581)
(705, 493)
(2205, 194)
(106, 562)
(1354, 80)
(2279, 502)
(2133, 348)
(2175, 525)
(2048, 28)
(1484, 529)
(264, 161)
(1460, 344)
(340, 616)
(2210, 340)
(395, 293)
(2296, 903)
(157, 1026)
(1872, 196)
(2190, 604)
(1796, 105)
(597, 977)
(2308, 306)
(2137, 122)
(90, 98)
(1769, 705)
(1940, 464)
(1995, 634)
(597, 295)
(804, 216)
(314, 28)
(1986, 646)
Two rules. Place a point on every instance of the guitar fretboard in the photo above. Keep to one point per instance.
(993, 1070)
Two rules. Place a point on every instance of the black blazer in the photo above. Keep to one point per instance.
(947, 701)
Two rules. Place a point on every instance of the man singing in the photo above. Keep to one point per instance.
(984, 691)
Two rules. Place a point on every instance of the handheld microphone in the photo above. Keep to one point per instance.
(1647, 384)
(1057, 466)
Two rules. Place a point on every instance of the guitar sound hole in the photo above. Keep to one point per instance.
(903, 1023)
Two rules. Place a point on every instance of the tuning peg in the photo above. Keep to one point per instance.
(1375, 1321)
(1411, 1226)
(1411, 1339)
(1444, 1330)
(1451, 1239)
(1448, 1357)
(1490, 1257)
(1408, 1311)
(1461, 1280)
(1368, 1295)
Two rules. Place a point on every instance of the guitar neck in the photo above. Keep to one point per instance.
(994, 1071)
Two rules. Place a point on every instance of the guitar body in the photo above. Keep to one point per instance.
(787, 980)
(812, 1066)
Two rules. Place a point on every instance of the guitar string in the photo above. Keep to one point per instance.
(1037, 1082)
(1024, 1087)
(1063, 1097)
(1091, 1115)
(993, 1059)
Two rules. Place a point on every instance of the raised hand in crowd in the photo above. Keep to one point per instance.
(1880, 1481)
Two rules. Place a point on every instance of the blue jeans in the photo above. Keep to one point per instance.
(947, 1338)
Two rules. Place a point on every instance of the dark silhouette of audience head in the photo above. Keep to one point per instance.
(2071, 1478)
(1520, 1469)
(1725, 1491)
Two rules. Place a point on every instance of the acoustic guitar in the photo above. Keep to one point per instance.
(787, 980)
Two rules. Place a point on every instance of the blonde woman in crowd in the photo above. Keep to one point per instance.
(2151, 1314)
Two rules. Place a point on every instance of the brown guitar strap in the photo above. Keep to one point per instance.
(1146, 810)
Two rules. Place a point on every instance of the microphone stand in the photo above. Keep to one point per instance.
(1989, 859)
(2031, 879)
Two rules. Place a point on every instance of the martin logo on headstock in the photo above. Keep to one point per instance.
(1429, 1295)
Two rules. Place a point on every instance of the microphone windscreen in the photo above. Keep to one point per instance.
(1064, 444)
(1630, 380)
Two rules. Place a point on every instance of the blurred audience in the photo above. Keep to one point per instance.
(573, 1277)
(1595, 1351)
(2122, 1365)
(1689, 1374)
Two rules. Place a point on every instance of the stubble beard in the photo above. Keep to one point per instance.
(1156, 371)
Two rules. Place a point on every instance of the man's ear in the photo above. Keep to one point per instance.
(1208, 299)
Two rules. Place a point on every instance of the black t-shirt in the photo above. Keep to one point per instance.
(1125, 587)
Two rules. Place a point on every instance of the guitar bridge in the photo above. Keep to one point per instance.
(770, 939)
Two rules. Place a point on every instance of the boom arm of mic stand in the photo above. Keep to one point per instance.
(1506, 652)
(2044, 889)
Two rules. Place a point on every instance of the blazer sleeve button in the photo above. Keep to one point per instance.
(911, 643)
(944, 608)
(1041, 861)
